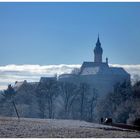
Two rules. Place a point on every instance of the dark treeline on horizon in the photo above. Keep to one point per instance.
(65, 100)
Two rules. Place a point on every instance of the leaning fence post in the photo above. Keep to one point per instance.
(16, 110)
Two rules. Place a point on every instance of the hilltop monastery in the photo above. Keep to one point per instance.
(98, 74)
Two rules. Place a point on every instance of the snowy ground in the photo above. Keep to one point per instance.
(11, 127)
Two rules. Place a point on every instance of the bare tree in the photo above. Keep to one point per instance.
(92, 103)
(68, 92)
(83, 89)
(47, 92)
(41, 101)
(9, 94)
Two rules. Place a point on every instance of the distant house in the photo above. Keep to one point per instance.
(22, 84)
(98, 74)
(46, 79)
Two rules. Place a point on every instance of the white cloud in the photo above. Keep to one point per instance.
(12, 73)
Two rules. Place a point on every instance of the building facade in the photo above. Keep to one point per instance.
(98, 74)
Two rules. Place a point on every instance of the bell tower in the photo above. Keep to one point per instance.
(98, 51)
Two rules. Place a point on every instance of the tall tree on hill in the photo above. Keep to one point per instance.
(41, 100)
(83, 90)
(8, 95)
(47, 92)
(92, 103)
(68, 92)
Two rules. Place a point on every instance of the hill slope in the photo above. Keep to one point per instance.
(11, 127)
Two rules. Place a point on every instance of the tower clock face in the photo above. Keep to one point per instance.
(89, 71)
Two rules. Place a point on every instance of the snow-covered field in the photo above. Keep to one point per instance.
(11, 127)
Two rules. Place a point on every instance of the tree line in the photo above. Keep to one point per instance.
(51, 99)
(65, 100)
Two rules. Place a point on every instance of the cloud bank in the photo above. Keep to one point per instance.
(32, 73)
(11, 73)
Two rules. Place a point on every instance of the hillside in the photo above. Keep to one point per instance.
(11, 127)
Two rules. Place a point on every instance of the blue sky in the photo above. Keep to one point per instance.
(42, 39)
(66, 33)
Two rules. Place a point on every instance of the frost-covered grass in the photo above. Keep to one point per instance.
(11, 127)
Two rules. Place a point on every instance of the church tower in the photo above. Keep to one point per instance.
(98, 51)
